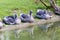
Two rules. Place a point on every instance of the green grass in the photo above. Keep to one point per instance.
(25, 6)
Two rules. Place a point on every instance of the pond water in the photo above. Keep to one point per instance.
(53, 33)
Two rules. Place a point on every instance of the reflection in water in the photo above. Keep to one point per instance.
(4, 36)
(1, 36)
(45, 26)
(7, 35)
(17, 33)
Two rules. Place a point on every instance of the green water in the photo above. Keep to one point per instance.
(53, 33)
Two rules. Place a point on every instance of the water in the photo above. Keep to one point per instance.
(50, 33)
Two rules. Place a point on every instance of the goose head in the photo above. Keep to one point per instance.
(17, 20)
(15, 14)
(30, 13)
(31, 17)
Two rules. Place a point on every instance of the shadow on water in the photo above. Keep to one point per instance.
(49, 31)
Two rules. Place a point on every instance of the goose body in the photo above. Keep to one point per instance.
(26, 18)
(43, 14)
(11, 20)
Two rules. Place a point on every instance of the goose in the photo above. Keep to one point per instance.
(43, 14)
(26, 18)
(11, 20)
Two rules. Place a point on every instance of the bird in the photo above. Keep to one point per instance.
(11, 20)
(43, 14)
(27, 17)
